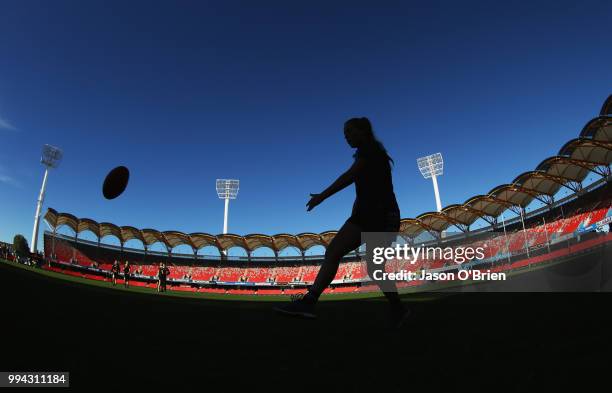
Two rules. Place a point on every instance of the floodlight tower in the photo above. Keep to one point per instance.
(432, 166)
(227, 189)
(51, 158)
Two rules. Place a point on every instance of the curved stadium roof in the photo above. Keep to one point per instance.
(590, 152)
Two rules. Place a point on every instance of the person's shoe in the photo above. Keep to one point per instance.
(400, 316)
(300, 306)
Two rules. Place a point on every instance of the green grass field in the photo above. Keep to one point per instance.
(112, 339)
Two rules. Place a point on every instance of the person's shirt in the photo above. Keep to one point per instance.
(373, 182)
(126, 269)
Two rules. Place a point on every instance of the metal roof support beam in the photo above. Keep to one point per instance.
(437, 235)
(491, 220)
(573, 186)
(407, 238)
(545, 199)
(515, 209)
(562, 181)
(603, 171)
(479, 213)
(588, 165)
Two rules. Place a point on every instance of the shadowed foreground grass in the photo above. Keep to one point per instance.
(110, 338)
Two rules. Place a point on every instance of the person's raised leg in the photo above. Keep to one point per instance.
(347, 239)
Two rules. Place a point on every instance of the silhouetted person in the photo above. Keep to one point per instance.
(126, 274)
(375, 210)
(115, 271)
(162, 274)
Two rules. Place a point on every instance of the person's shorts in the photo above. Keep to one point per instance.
(375, 221)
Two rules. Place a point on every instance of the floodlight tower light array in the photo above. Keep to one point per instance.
(51, 156)
(432, 166)
(227, 189)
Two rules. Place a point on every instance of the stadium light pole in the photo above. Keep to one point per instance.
(506, 236)
(51, 158)
(227, 189)
(524, 231)
(432, 166)
(546, 233)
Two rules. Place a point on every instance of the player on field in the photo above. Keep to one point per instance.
(162, 274)
(126, 274)
(115, 271)
(375, 210)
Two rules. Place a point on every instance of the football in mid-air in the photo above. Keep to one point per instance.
(115, 182)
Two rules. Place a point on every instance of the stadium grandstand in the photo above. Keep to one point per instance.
(549, 234)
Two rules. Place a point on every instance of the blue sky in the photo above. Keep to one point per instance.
(186, 92)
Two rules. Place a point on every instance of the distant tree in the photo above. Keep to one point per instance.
(20, 245)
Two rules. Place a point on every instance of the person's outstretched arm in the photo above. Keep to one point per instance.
(345, 180)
